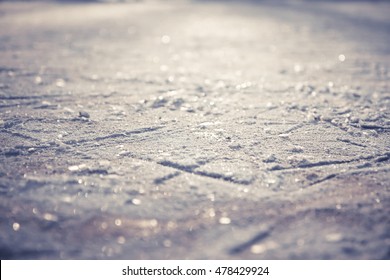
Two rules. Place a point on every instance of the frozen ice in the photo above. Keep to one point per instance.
(180, 129)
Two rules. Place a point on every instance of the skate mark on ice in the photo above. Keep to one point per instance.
(20, 135)
(182, 167)
(374, 158)
(351, 142)
(363, 171)
(231, 179)
(371, 126)
(383, 158)
(311, 165)
(8, 69)
(127, 133)
(326, 178)
(337, 125)
(214, 175)
(19, 104)
(295, 127)
(246, 245)
(23, 97)
(114, 135)
(163, 179)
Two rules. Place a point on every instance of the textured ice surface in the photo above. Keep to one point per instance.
(150, 130)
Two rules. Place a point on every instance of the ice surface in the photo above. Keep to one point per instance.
(194, 129)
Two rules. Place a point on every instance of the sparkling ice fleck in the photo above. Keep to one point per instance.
(60, 83)
(136, 201)
(118, 222)
(165, 39)
(224, 220)
(16, 226)
(50, 217)
(334, 237)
